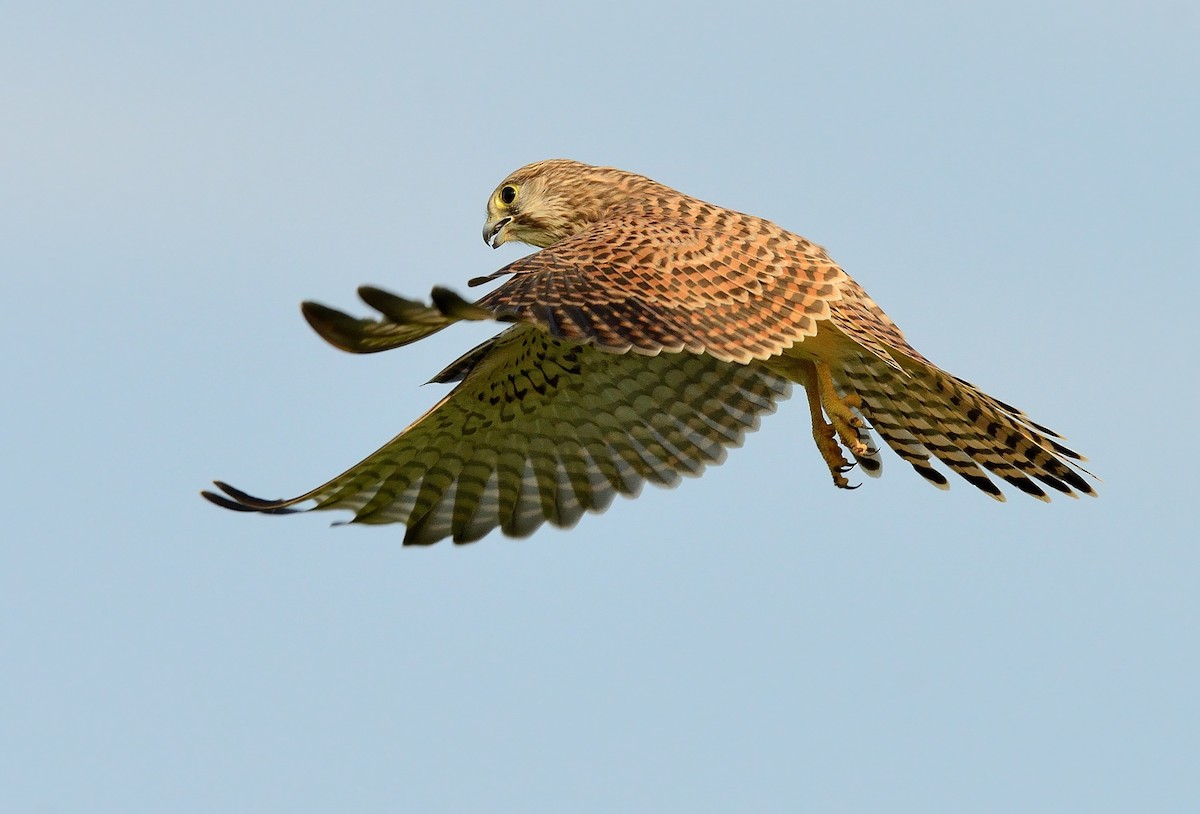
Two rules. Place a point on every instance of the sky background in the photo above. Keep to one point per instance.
(1017, 184)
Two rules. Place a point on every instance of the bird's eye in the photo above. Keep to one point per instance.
(508, 194)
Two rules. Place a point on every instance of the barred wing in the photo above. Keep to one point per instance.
(692, 277)
(543, 430)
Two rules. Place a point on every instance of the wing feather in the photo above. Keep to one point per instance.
(540, 430)
(736, 287)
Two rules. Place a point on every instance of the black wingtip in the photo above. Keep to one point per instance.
(453, 305)
(317, 315)
(339, 329)
(487, 278)
(224, 502)
(397, 309)
(240, 501)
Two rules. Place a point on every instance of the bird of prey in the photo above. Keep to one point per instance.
(650, 332)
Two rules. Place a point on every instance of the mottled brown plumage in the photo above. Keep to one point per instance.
(652, 330)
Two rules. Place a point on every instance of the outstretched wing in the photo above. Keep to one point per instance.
(694, 277)
(543, 430)
(404, 321)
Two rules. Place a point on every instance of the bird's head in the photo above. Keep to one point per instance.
(542, 203)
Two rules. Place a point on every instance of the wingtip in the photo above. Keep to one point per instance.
(315, 313)
(452, 304)
(400, 310)
(240, 501)
(339, 329)
(487, 278)
(224, 502)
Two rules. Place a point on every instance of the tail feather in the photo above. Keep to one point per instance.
(924, 413)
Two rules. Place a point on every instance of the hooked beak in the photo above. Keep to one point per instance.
(493, 232)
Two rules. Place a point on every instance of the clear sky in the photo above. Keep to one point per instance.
(1016, 183)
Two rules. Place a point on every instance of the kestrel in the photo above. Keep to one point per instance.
(648, 335)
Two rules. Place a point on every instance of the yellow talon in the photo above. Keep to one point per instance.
(840, 411)
(825, 435)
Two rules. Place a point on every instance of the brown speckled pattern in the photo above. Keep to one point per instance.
(653, 329)
(652, 279)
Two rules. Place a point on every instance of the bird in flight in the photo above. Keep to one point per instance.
(651, 332)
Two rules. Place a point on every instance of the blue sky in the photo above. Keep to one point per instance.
(1017, 186)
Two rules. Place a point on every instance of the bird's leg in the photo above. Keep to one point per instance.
(825, 435)
(840, 411)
